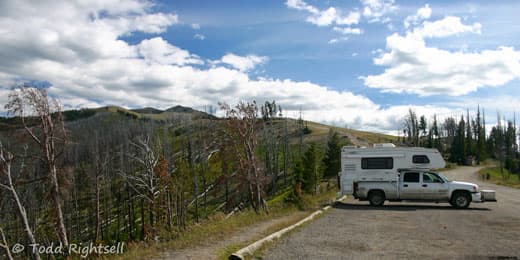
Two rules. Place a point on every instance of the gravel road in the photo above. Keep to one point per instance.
(354, 230)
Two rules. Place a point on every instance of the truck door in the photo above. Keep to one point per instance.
(410, 187)
(434, 188)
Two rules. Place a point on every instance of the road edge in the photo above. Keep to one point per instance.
(250, 249)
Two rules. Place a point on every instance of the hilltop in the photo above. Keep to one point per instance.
(318, 131)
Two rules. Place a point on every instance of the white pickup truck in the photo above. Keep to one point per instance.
(420, 185)
(386, 172)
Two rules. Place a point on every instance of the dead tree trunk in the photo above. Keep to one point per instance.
(52, 132)
(5, 169)
(5, 246)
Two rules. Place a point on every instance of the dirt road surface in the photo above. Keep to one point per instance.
(354, 230)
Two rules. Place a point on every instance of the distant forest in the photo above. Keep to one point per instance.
(464, 140)
(109, 174)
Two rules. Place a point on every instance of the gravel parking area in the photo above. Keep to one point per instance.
(354, 230)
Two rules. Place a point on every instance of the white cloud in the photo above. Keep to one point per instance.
(414, 67)
(195, 26)
(243, 63)
(327, 17)
(423, 13)
(347, 30)
(76, 46)
(157, 50)
(301, 5)
(448, 26)
(378, 10)
(199, 36)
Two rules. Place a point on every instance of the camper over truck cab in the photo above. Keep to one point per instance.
(386, 172)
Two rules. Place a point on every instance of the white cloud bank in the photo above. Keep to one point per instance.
(76, 46)
(414, 67)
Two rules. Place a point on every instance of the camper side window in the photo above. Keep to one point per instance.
(422, 159)
(377, 163)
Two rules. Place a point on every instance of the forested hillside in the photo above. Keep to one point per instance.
(110, 174)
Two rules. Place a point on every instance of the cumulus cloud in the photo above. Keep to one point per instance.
(423, 13)
(414, 67)
(243, 63)
(327, 17)
(448, 26)
(378, 10)
(157, 50)
(80, 52)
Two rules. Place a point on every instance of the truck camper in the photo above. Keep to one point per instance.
(385, 172)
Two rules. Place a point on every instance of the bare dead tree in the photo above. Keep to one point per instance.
(101, 160)
(241, 125)
(145, 182)
(5, 245)
(50, 136)
(6, 159)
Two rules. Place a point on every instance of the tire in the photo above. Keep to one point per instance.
(376, 198)
(460, 200)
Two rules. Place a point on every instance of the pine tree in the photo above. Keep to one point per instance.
(311, 174)
(332, 159)
(481, 138)
(435, 133)
(458, 148)
(468, 142)
(423, 126)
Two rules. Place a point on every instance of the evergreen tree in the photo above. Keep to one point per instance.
(297, 169)
(423, 126)
(332, 159)
(435, 134)
(481, 139)
(458, 148)
(311, 174)
(468, 142)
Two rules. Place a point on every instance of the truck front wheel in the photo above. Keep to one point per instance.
(460, 200)
(376, 198)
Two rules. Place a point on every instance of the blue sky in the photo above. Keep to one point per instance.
(360, 64)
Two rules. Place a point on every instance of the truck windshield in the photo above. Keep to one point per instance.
(443, 177)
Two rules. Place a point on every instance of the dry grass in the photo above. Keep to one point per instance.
(499, 177)
(218, 228)
(313, 203)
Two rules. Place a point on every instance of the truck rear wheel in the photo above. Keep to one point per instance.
(460, 200)
(376, 198)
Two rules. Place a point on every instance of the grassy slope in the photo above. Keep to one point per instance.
(215, 226)
(501, 178)
(320, 134)
(218, 227)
